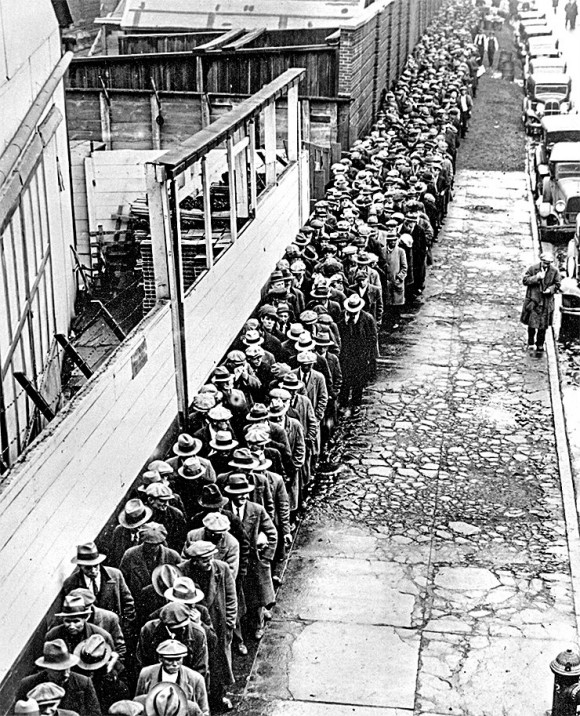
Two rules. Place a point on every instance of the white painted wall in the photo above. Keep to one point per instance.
(69, 483)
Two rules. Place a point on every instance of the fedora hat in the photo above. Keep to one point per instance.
(174, 615)
(192, 469)
(153, 533)
(211, 498)
(28, 706)
(243, 459)
(88, 554)
(292, 382)
(258, 413)
(223, 440)
(221, 374)
(163, 577)
(183, 590)
(238, 484)
(186, 446)
(354, 303)
(324, 339)
(254, 338)
(74, 606)
(295, 331)
(304, 343)
(93, 653)
(126, 708)
(166, 699)
(46, 693)
(85, 594)
(216, 522)
(134, 514)
(56, 656)
(320, 291)
(263, 463)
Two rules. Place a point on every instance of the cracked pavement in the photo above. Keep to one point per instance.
(431, 575)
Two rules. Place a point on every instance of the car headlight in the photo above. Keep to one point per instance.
(560, 206)
(540, 108)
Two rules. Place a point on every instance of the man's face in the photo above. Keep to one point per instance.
(57, 677)
(545, 265)
(219, 425)
(240, 500)
(48, 708)
(255, 361)
(74, 625)
(203, 562)
(171, 664)
(159, 504)
(268, 322)
(306, 367)
(90, 571)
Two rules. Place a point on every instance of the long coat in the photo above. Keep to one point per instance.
(113, 595)
(190, 681)
(135, 570)
(222, 603)
(258, 587)
(358, 353)
(295, 433)
(110, 622)
(395, 273)
(538, 308)
(228, 548)
(316, 390)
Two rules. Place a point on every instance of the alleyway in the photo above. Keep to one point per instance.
(432, 573)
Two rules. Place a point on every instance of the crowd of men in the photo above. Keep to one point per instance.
(149, 624)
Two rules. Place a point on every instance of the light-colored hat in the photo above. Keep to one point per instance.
(216, 522)
(74, 606)
(30, 706)
(46, 692)
(159, 491)
(171, 647)
(183, 589)
(153, 533)
(200, 548)
(258, 434)
(306, 357)
(192, 469)
(163, 577)
(85, 594)
(93, 652)
(134, 514)
(304, 343)
(56, 656)
(166, 699)
(354, 303)
(126, 708)
(219, 413)
(162, 467)
(223, 440)
(263, 463)
(547, 256)
(88, 554)
(281, 393)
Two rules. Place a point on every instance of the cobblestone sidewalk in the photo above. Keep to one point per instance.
(432, 574)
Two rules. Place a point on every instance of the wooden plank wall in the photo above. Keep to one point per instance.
(74, 477)
(78, 153)
(174, 42)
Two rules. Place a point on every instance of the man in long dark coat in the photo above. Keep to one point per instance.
(359, 349)
(542, 281)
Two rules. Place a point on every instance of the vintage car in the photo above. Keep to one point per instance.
(558, 204)
(546, 94)
(531, 15)
(543, 65)
(554, 129)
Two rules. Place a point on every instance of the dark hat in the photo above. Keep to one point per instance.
(186, 446)
(211, 498)
(291, 382)
(56, 656)
(153, 533)
(267, 310)
(174, 614)
(320, 291)
(221, 374)
(258, 413)
(238, 484)
(243, 459)
(88, 554)
(93, 653)
(324, 339)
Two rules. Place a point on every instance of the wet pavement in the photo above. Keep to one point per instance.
(431, 575)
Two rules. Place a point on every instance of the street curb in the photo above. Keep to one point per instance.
(568, 486)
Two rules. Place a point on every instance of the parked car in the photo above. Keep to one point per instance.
(544, 65)
(546, 94)
(558, 204)
(554, 129)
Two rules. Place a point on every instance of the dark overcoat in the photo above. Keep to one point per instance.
(538, 308)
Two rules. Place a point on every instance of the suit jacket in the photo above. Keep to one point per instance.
(281, 502)
(373, 298)
(261, 494)
(110, 622)
(120, 542)
(59, 632)
(316, 390)
(359, 345)
(80, 694)
(137, 573)
(190, 681)
(301, 409)
(295, 434)
(228, 548)
(193, 636)
(113, 595)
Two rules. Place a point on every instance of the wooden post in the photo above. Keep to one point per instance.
(207, 214)
(203, 99)
(305, 105)
(232, 189)
(252, 165)
(105, 112)
(241, 173)
(270, 142)
(159, 226)
(155, 126)
(293, 110)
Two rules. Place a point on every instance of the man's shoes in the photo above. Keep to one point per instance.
(259, 633)
(242, 649)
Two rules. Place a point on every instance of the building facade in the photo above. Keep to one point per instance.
(37, 283)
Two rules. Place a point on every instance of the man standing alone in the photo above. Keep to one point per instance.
(542, 281)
